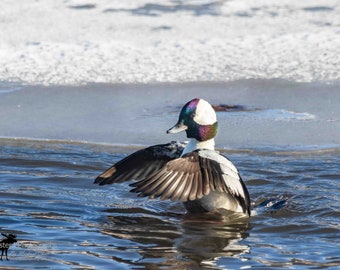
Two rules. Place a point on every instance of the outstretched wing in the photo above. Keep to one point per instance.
(141, 164)
(194, 175)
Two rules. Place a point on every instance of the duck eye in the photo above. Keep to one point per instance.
(192, 115)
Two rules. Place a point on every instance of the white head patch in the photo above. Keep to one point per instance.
(204, 114)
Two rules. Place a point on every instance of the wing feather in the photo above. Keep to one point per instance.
(148, 186)
(170, 191)
(188, 184)
(180, 187)
(193, 191)
(141, 164)
(159, 190)
(194, 175)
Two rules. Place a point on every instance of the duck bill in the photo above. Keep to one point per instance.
(177, 128)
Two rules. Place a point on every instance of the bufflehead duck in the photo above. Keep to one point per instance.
(193, 173)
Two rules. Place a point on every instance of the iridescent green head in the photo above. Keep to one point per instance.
(198, 119)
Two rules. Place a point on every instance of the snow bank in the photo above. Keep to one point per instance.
(76, 42)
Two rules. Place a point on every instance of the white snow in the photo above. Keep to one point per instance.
(137, 41)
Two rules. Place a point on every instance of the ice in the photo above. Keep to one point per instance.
(110, 71)
(74, 42)
(296, 115)
(9, 87)
(270, 114)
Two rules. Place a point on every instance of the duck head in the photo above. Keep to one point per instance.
(198, 119)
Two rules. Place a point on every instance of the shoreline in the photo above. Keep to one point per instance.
(268, 113)
(127, 148)
(16, 85)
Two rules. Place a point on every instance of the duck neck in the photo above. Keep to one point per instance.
(195, 144)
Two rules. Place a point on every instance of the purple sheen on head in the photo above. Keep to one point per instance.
(207, 132)
(202, 132)
(190, 107)
(195, 130)
(192, 104)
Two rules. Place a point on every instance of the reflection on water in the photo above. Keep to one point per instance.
(204, 241)
(157, 240)
(62, 220)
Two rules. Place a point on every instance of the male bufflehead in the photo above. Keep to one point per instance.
(193, 173)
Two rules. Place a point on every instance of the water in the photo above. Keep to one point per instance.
(111, 76)
(56, 140)
(283, 137)
(64, 221)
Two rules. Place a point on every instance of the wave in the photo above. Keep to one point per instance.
(292, 150)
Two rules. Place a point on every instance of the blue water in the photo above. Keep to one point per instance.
(276, 64)
(282, 136)
(63, 220)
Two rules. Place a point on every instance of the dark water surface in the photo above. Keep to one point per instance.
(62, 220)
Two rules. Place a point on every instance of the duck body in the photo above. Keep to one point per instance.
(193, 173)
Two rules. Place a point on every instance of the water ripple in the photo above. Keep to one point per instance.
(62, 220)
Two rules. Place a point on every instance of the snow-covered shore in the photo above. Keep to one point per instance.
(109, 41)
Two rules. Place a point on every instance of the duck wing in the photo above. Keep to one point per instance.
(194, 175)
(141, 164)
